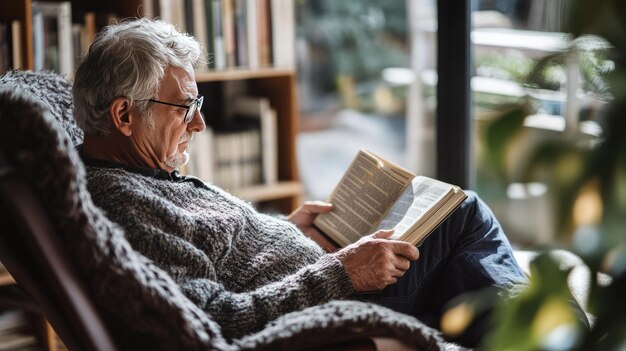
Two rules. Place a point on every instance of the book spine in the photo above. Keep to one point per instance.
(38, 37)
(228, 25)
(66, 48)
(178, 14)
(188, 9)
(202, 154)
(218, 36)
(283, 33)
(147, 9)
(210, 34)
(165, 10)
(252, 26)
(77, 34)
(16, 45)
(263, 22)
(89, 32)
(200, 29)
(236, 157)
(173, 12)
(241, 33)
(269, 140)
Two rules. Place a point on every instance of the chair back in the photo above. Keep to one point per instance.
(30, 251)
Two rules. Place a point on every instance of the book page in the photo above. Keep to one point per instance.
(417, 203)
(368, 189)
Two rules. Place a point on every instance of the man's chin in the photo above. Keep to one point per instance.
(178, 160)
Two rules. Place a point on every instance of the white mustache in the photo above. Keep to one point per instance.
(185, 138)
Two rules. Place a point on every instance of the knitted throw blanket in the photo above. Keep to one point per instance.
(193, 302)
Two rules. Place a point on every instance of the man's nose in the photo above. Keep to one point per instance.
(197, 123)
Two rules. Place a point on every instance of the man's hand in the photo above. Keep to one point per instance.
(303, 218)
(375, 261)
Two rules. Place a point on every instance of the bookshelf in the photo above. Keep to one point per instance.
(276, 83)
(41, 329)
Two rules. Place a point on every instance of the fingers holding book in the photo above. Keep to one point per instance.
(402, 248)
(375, 261)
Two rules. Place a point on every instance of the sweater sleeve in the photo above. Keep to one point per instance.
(242, 313)
(188, 232)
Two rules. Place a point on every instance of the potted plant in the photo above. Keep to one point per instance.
(589, 183)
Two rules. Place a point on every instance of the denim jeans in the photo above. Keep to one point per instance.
(468, 252)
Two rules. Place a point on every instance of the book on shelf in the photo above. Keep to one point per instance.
(58, 48)
(189, 16)
(11, 320)
(237, 157)
(14, 331)
(147, 9)
(38, 37)
(216, 50)
(201, 151)
(264, 32)
(257, 111)
(10, 46)
(83, 34)
(18, 342)
(200, 27)
(283, 33)
(252, 35)
(88, 31)
(16, 44)
(234, 33)
(173, 11)
(241, 33)
(376, 194)
(228, 30)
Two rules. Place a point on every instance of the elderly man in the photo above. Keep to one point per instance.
(137, 101)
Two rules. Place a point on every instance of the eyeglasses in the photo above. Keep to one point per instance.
(194, 106)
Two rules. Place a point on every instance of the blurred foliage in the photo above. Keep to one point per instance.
(592, 58)
(588, 180)
(507, 67)
(353, 39)
(500, 132)
(549, 72)
(539, 317)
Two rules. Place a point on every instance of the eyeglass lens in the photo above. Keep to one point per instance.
(195, 106)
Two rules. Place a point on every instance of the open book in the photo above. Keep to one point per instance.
(376, 194)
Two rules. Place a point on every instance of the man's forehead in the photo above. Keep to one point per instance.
(178, 83)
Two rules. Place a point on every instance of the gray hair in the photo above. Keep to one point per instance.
(127, 60)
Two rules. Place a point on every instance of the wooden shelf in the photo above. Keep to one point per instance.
(6, 278)
(242, 73)
(280, 190)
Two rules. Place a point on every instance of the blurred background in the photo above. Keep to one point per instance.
(367, 79)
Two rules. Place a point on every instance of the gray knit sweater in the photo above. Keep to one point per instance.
(242, 267)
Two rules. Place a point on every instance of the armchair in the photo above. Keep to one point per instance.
(99, 293)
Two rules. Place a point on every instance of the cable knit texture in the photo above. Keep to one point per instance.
(183, 267)
(242, 267)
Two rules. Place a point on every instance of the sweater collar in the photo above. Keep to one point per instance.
(146, 171)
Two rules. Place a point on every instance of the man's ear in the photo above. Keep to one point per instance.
(121, 115)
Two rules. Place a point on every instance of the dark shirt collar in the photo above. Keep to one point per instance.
(146, 171)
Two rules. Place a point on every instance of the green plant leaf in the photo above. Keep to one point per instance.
(540, 315)
(499, 134)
